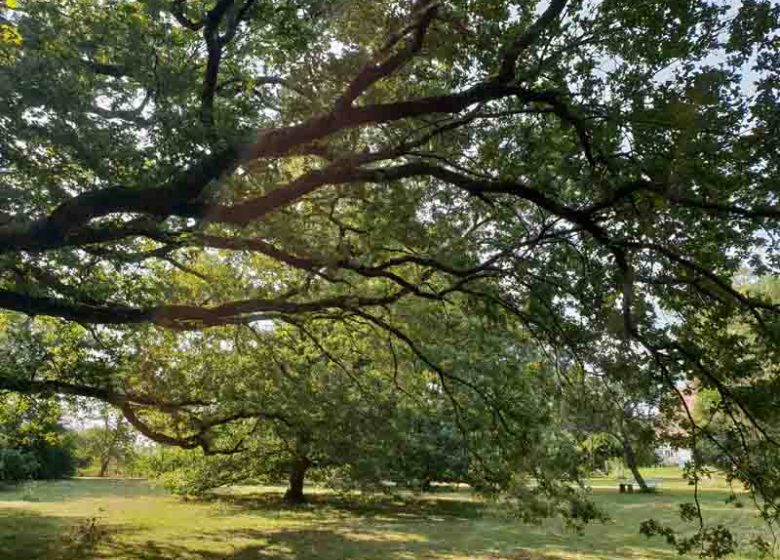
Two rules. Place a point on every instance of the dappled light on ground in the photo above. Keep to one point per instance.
(139, 522)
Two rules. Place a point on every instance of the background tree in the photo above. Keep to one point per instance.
(428, 447)
(611, 426)
(728, 427)
(322, 397)
(111, 442)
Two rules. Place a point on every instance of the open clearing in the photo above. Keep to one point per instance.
(139, 521)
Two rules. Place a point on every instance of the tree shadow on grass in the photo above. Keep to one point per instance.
(319, 544)
(415, 526)
(385, 506)
(328, 528)
(28, 535)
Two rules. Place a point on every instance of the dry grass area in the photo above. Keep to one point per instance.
(122, 519)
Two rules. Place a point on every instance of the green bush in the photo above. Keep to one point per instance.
(17, 465)
(33, 441)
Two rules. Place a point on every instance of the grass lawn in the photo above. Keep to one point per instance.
(138, 521)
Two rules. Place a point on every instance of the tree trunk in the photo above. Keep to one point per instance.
(630, 456)
(294, 493)
(104, 467)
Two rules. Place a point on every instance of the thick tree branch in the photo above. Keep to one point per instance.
(184, 316)
(518, 45)
(201, 422)
(425, 12)
(177, 9)
(178, 196)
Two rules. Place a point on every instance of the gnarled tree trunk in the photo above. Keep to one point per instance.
(294, 493)
(630, 456)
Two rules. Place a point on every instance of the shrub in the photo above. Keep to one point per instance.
(17, 465)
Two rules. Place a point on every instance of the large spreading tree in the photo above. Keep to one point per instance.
(595, 172)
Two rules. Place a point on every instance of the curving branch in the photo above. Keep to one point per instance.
(177, 9)
(185, 317)
(519, 44)
(200, 416)
(628, 189)
(215, 44)
(384, 64)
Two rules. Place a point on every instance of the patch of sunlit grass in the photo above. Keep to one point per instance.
(143, 522)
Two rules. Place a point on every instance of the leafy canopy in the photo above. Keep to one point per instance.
(594, 174)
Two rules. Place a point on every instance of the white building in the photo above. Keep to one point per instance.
(672, 456)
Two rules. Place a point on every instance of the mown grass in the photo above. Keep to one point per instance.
(138, 521)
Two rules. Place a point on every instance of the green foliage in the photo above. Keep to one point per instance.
(428, 448)
(17, 465)
(33, 442)
(709, 542)
(190, 473)
(107, 447)
(360, 415)
(58, 459)
(425, 239)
